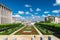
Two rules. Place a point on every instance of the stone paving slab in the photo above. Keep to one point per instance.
(27, 37)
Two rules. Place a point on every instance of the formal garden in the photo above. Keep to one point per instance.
(6, 29)
(27, 30)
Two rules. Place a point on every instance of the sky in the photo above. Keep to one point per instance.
(33, 9)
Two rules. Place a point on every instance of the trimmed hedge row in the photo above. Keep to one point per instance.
(44, 31)
(55, 28)
(8, 26)
(50, 26)
(6, 29)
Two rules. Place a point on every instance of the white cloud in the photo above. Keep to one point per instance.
(21, 12)
(23, 17)
(27, 12)
(46, 12)
(48, 15)
(38, 9)
(31, 9)
(43, 15)
(36, 13)
(16, 16)
(37, 17)
(57, 3)
(26, 5)
(32, 15)
(56, 11)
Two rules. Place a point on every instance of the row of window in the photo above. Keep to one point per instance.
(5, 20)
(4, 11)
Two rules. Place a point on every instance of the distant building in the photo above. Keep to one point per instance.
(54, 19)
(5, 14)
(16, 20)
(51, 17)
(57, 20)
(13, 19)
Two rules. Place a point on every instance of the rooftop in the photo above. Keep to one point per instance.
(5, 6)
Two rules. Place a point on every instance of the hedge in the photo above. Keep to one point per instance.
(8, 26)
(50, 26)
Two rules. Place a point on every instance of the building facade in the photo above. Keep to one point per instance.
(53, 19)
(57, 20)
(5, 15)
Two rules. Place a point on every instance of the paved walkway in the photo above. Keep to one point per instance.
(28, 37)
(38, 31)
(17, 31)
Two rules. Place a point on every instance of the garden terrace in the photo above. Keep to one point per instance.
(55, 28)
(6, 29)
(43, 30)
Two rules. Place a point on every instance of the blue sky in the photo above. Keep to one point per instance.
(28, 9)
